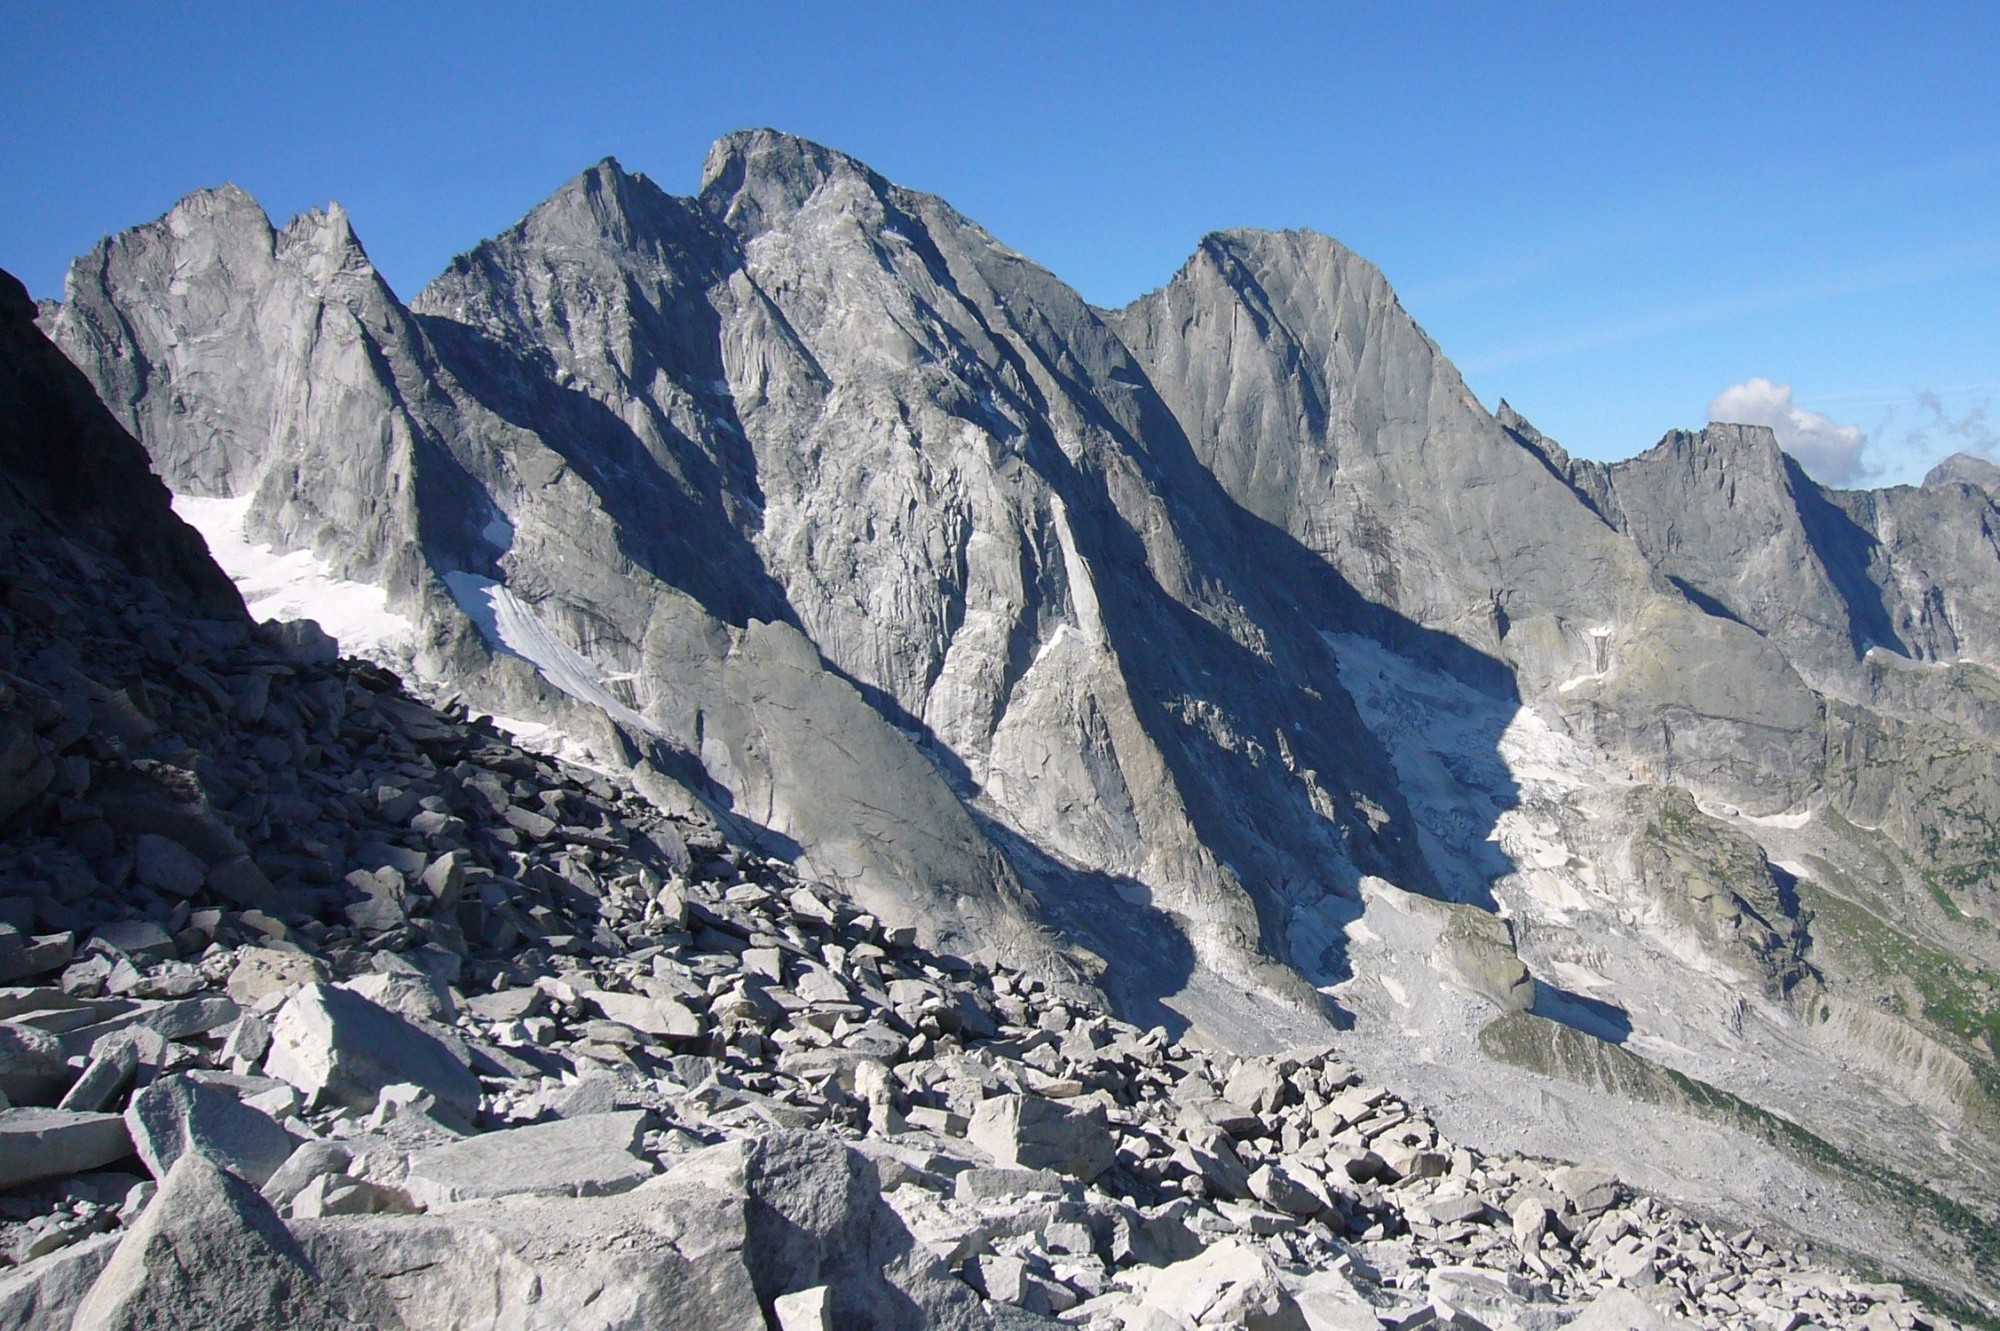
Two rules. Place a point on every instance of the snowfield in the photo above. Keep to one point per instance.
(298, 585)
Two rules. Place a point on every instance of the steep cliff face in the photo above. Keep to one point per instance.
(1831, 575)
(941, 466)
(1321, 407)
(66, 462)
(1160, 647)
(273, 363)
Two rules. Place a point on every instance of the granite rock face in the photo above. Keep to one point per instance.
(1830, 575)
(1220, 657)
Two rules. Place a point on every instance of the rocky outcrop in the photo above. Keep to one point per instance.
(1829, 575)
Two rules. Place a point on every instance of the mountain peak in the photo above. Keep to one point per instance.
(323, 240)
(228, 197)
(226, 208)
(1964, 469)
(603, 200)
(755, 176)
(1728, 443)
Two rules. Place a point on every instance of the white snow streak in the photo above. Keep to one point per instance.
(510, 624)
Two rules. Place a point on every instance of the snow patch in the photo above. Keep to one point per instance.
(498, 532)
(1789, 821)
(519, 729)
(511, 625)
(297, 585)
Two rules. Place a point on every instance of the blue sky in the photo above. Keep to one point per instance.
(1609, 214)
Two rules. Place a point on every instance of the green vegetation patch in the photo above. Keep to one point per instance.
(1960, 998)
(1553, 1050)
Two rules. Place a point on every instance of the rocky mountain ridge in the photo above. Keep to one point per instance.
(327, 1008)
(1201, 652)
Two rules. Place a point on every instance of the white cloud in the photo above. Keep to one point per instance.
(1829, 450)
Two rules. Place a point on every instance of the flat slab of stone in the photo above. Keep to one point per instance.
(571, 1157)
(38, 1144)
(653, 1016)
(104, 1076)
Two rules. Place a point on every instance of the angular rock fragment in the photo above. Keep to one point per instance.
(802, 1310)
(44, 1294)
(1277, 1187)
(1617, 1309)
(1231, 1284)
(663, 1017)
(331, 1042)
(1328, 1302)
(307, 1162)
(209, 1253)
(41, 954)
(1031, 1132)
(167, 866)
(408, 993)
(1589, 1189)
(113, 1061)
(32, 1067)
(177, 1115)
(261, 971)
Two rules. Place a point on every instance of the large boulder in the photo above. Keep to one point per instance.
(177, 1114)
(209, 1254)
(1231, 1284)
(1479, 949)
(711, 1245)
(814, 1215)
(334, 1044)
(642, 1259)
(1031, 1132)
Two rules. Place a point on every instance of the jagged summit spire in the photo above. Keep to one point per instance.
(604, 200)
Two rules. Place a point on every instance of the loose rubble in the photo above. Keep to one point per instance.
(323, 1005)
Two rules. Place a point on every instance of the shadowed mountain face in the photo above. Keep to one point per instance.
(1221, 651)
